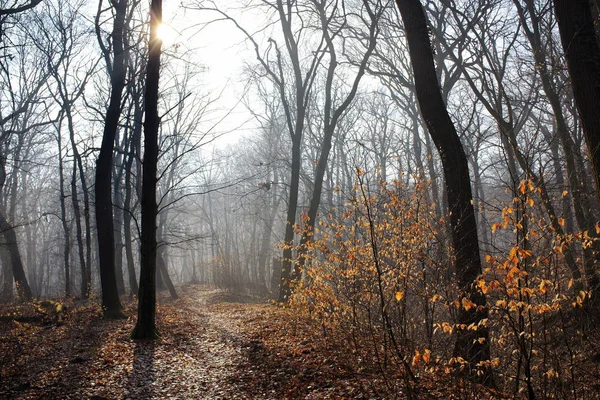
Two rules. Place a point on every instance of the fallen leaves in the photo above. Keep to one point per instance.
(214, 345)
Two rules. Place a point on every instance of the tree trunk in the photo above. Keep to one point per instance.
(10, 240)
(63, 217)
(433, 176)
(473, 346)
(145, 327)
(111, 303)
(79, 230)
(118, 213)
(133, 155)
(582, 50)
(133, 284)
(7, 275)
(104, 222)
(86, 276)
(263, 253)
(162, 269)
(288, 241)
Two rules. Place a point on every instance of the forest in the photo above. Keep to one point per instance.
(300, 199)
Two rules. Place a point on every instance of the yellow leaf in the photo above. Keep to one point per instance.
(522, 188)
(561, 221)
(530, 202)
(467, 303)
(544, 286)
(525, 253)
(565, 193)
(416, 358)
(552, 374)
(399, 295)
(482, 286)
(447, 327)
(427, 355)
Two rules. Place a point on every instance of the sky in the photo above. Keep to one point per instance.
(223, 51)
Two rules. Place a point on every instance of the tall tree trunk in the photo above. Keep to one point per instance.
(146, 327)
(263, 253)
(88, 227)
(473, 346)
(162, 264)
(10, 240)
(582, 50)
(133, 155)
(88, 237)
(433, 176)
(63, 216)
(79, 230)
(162, 269)
(7, 275)
(86, 276)
(118, 213)
(478, 202)
(133, 283)
(288, 240)
(111, 303)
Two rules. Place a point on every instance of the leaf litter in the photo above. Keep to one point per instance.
(214, 345)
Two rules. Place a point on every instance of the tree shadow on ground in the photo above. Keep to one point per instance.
(47, 359)
(142, 379)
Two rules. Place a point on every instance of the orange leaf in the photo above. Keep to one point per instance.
(427, 355)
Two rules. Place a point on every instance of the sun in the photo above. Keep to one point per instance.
(167, 34)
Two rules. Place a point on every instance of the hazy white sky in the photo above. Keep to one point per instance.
(223, 51)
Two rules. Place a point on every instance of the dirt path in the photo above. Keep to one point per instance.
(199, 360)
(214, 345)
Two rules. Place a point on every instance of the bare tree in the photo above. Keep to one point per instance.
(22, 112)
(582, 50)
(473, 346)
(145, 327)
(62, 43)
(104, 210)
(332, 113)
(18, 8)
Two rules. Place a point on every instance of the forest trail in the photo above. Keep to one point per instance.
(214, 345)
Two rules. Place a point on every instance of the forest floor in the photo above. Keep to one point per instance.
(214, 344)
